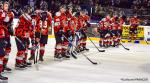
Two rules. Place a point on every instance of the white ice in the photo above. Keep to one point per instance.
(114, 64)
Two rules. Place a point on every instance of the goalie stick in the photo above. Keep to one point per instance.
(95, 63)
(71, 52)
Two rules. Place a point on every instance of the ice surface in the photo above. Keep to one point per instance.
(114, 64)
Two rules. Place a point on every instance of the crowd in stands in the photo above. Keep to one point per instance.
(96, 8)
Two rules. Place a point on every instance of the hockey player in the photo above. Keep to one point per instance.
(43, 20)
(102, 29)
(115, 26)
(22, 33)
(72, 25)
(34, 40)
(66, 31)
(43, 25)
(78, 32)
(134, 23)
(60, 30)
(8, 24)
(107, 34)
(2, 41)
(80, 25)
(82, 28)
(58, 36)
(119, 31)
(70, 28)
(105, 28)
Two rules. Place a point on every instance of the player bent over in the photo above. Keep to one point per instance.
(22, 33)
(114, 32)
(2, 42)
(60, 31)
(134, 23)
(8, 24)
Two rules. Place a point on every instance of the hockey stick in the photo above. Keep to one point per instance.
(20, 41)
(95, 45)
(146, 42)
(75, 41)
(120, 43)
(70, 47)
(72, 54)
(36, 60)
(95, 63)
(124, 46)
(33, 47)
(37, 55)
(30, 48)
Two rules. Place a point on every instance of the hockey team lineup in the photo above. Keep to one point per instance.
(30, 37)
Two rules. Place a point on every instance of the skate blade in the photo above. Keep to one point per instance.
(29, 66)
(66, 58)
(7, 71)
(56, 59)
(17, 68)
(40, 62)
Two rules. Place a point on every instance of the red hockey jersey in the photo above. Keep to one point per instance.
(2, 29)
(64, 22)
(23, 28)
(81, 22)
(72, 22)
(115, 26)
(57, 23)
(102, 25)
(43, 26)
(8, 22)
(134, 21)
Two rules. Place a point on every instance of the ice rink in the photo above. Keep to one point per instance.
(116, 65)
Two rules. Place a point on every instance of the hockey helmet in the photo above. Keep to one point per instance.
(44, 6)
